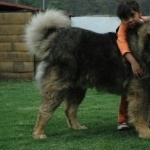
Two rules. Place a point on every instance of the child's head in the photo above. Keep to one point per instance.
(129, 12)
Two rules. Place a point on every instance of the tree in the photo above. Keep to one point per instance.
(83, 7)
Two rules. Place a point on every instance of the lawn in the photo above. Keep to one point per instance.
(19, 102)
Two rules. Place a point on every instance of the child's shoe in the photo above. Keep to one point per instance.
(123, 126)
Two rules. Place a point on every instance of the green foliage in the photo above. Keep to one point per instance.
(84, 7)
(54, 4)
(19, 108)
(31, 3)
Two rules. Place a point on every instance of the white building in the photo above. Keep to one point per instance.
(98, 24)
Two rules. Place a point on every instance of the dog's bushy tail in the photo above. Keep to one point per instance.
(39, 25)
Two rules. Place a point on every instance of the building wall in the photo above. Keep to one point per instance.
(15, 62)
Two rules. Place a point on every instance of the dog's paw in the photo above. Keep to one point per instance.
(83, 127)
(80, 127)
(39, 136)
(144, 136)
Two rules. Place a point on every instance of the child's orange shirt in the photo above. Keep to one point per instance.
(121, 40)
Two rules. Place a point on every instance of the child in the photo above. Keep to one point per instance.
(129, 14)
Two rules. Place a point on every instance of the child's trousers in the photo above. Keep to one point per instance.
(123, 110)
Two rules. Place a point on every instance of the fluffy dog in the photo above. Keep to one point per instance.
(74, 59)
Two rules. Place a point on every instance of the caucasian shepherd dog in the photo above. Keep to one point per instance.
(74, 59)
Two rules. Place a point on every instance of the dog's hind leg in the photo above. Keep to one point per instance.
(46, 111)
(53, 91)
(74, 98)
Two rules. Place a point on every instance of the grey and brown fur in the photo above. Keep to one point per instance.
(74, 59)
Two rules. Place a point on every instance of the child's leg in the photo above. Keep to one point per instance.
(123, 114)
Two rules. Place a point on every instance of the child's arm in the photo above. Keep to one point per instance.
(136, 68)
(125, 51)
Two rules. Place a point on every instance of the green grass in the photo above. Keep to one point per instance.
(19, 102)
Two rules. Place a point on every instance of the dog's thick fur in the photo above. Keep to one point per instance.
(74, 59)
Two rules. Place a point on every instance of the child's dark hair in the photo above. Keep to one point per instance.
(125, 7)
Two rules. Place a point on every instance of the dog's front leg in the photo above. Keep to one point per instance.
(142, 127)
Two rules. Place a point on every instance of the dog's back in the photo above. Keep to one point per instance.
(84, 58)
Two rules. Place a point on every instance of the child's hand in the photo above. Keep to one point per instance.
(136, 69)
